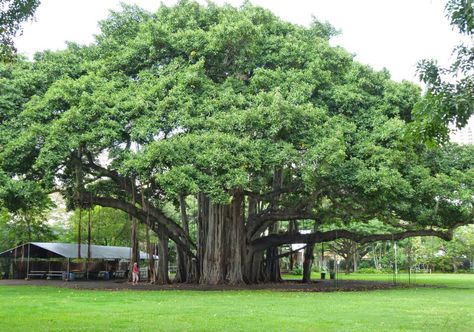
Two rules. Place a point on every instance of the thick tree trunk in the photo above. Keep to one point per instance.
(235, 241)
(183, 264)
(253, 260)
(291, 262)
(272, 262)
(292, 228)
(307, 262)
(79, 192)
(79, 226)
(89, 252)
(149, 247)
(193, 270)
(348, 261)
(203, 216)
(134, 245)
(162, 273)
(151, 258)
(221, 241)
(254, 267)
(272, 265)
(455, 267)
(135, 258)
(355, 258)
(213, 263)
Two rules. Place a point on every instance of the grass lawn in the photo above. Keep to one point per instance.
(449, 308)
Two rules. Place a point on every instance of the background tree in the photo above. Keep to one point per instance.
(449, 98)
(12, 14)
(24, 208)
(110, 227)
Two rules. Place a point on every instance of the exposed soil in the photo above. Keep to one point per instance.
(285, 286)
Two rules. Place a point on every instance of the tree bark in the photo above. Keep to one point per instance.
(135, 255)
(149, 247)
(355, 257)
(151, 258)
(134, 245)
(221, 240)
(235, 240)
(272, 265)
(292, 228)
(273, 240)
(254, 267)
(182, 261)
(162, 273)
(307, 263)
(272, 261)
(213, 262)
(203, 216)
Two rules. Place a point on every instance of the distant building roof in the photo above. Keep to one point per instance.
(69, 250)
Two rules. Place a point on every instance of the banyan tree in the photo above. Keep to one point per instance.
(221, 129)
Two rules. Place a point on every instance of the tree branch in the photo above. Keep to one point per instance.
(261, 221)
(274, 240)
(175, 232)
(288, 253)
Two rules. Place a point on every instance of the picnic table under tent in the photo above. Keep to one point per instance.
(62, 260)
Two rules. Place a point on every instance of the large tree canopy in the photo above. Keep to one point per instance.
(262, 122)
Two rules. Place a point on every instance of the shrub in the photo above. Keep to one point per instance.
(371, 270)
(297, 271)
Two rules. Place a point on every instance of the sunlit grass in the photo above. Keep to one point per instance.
(413, 279)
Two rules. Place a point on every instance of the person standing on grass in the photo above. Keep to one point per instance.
(135, 273)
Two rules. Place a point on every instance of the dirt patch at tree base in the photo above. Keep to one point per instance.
(284, 286)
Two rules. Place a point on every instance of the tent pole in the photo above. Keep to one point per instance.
(28, 262)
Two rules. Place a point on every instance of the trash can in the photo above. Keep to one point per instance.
(323, 275)
(106, 275)
(332, 275)
(72, 276)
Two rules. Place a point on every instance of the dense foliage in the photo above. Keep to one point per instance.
(259, 122)
(449, 98)
(109, 227)
(12, 14)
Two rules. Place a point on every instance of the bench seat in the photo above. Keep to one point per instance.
(52, 274)
(40, 274)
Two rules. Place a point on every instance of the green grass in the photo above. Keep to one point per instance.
(29, 308)
(419, 279)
